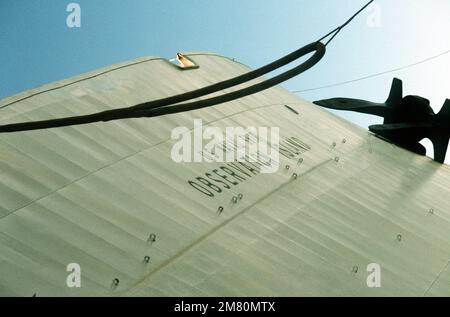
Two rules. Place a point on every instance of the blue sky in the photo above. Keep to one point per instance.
(37, 47)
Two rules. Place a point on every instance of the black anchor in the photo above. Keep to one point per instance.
(407, 120)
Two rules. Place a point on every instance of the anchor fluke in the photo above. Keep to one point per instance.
(407, 120)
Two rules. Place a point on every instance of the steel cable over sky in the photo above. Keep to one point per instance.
(373, 75)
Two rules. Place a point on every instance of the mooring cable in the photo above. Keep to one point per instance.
(171, 105)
